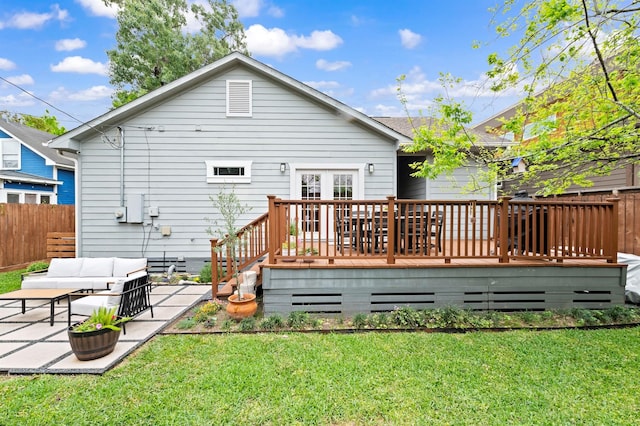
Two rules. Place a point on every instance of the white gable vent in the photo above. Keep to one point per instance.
(239, 102)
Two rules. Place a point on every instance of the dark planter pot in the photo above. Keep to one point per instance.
(92, 344)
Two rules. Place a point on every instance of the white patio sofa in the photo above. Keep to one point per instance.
(87, 273)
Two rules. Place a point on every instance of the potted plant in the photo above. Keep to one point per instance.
(96, 336)
(289, 247)
(309, 251)
(240, 304)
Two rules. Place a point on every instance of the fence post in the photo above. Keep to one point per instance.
(214, 268)
(613, 231)
(391, 229)
(273, 228)
(504, 229)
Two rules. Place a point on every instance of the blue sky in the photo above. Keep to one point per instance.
(353, 50)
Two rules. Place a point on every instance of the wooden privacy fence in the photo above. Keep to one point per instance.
(24, 229)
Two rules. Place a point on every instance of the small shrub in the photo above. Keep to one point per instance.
(298, 319)
(247, 324)
(207, 310)
(37, 266)
(379, 320)
(360, 320)
(529, 317)
(205, 273)
(405, 316)
(210, 322)
(227, 325)
(622, 314)
(583, 317)
(186, 324)
(273, 322)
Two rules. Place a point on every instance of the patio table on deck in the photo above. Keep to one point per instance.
(51, 294)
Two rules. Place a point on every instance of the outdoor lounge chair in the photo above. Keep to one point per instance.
(130, 297)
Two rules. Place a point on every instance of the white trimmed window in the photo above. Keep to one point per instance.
(239, 98)
(228, 171)
(10, 155)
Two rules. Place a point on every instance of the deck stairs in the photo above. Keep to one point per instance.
(226, 289)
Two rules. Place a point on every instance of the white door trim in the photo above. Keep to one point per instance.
(295, 167)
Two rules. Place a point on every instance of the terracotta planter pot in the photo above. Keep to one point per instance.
(245, 308)
(92, 344)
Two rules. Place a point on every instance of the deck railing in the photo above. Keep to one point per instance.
(253, 243)
(404, 229)
(393, 229)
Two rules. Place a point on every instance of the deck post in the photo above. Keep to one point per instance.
(504, 229)
(214, 268)
(274, 225)
(613, 239)
(391, 229)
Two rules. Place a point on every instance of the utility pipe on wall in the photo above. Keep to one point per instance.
(121, 130)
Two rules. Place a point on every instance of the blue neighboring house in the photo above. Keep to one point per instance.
(30, 171)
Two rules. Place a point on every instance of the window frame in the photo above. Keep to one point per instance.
(244, 165)
(3, 153)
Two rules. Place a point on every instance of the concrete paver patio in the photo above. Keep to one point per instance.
(29, 345)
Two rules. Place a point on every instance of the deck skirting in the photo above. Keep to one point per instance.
(365, 290)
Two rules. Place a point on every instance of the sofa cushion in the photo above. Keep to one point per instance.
(97, 267)
(86, 305)
(118, 287)
(59, 267)
(42, 282)
(122, 266)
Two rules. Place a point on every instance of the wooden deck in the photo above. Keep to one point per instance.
(385, 254)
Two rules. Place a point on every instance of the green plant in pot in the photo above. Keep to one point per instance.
(240, 305)
(96, 336)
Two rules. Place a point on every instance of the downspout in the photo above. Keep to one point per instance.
(121, 130)
(78, 197)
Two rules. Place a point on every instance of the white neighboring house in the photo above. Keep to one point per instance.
(147, 169)
(30, 171)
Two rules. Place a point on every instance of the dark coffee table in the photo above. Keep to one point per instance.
(51, 294)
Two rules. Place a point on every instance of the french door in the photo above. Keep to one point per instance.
(315, 184)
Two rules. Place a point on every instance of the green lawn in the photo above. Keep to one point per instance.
(518, 377)
(10, 281)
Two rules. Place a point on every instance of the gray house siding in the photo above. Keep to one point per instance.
(165, 148)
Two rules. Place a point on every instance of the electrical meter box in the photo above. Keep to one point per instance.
(135, 208)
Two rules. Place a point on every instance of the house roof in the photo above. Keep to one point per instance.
(35, 140)
(69, 140)
(405, 125)
(11, 175)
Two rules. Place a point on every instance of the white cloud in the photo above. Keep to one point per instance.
(69, 44)
(80, 65)
(409, 39)
(33, 21)
(12, 101)
(6, 64)
(247, 8)
(419, 92)
(21, 80)
(275, 12)
(276, 42)
(332, 66)
(269, 42)
(319, 40)
(90, 94)
(98, 8)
